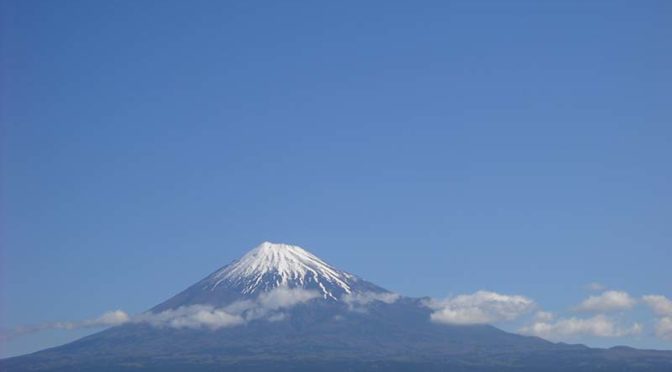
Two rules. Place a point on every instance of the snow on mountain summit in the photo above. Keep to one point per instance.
(272, 265)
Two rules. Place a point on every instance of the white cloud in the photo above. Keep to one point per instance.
(110, 318)
(608, 301)
(194, 316)
(567, 328)
(269, 302)
(266, 306)
(543, 316)
(664, 328)
(660, 305)
(481, 307)
(368, 297)
(358, 301)
(277, 317)
(285, 297)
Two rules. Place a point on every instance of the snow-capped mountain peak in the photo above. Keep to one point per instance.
(273, 265)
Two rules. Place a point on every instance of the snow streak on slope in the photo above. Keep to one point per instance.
(274, 265)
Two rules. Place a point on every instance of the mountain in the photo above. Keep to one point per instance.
(265, 268)
(280, 308)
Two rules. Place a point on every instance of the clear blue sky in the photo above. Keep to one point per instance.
(434, 148)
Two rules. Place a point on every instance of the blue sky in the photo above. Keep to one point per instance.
(434, 148)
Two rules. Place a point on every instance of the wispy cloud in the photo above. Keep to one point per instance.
(544, 316)
(661, 306)
(549, 326)
(359, 301)
(481, 307)
(285, 297)
(267, 306)
(110, 318)
(664, 328)
(268, 303)
(194, 316)
(608, 301)
(566, 328)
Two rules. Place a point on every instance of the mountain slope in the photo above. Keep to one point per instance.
(272, 265)
(266, 267)
(281, 308)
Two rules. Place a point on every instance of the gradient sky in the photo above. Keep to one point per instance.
(434, 148)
